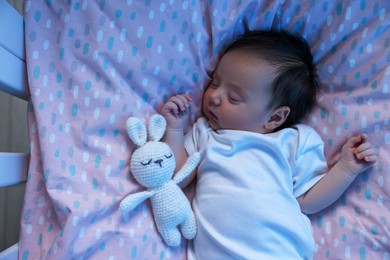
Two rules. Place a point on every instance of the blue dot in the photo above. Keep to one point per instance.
(46, 174)
(32, 36)
(86, 30)
(195, 77)
(37, 71)
(74, 110)
(362, 253)
(101, 132)
(367, 193)
(107, 103)
(145, 97)
(222, 22)
(95, 184)
(110, 43)
(132, 16)
(121, 164)
(118, 13)
(374, 230)
(362, 5)
(88, 85)
(172, 80)
(115, 133)
(77, 43)
(162, 26)
(71, 32)
(27, 214)
(387, 138)
(86, 49)
(134, 252)
(105, 63)
(62, 52)
(319, 221)
(149, 42)
(26, 253)
(101, 4)
(72, 170)
(76, 204)
(170, 64)
(134, 51)
(59, 187)
(37, 16)
(342, 221)
(59, 77)
(97, 161)
(344, 111)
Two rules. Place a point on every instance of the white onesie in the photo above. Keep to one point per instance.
(247, 184)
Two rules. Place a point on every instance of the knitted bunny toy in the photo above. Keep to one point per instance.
(152, 165)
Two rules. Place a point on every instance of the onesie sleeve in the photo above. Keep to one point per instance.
(195, 139)
(310, 165)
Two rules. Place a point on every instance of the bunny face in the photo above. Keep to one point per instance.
(153, 164)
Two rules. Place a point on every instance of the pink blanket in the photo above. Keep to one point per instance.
(92, 64)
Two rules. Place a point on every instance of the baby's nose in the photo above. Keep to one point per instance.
(214, 99)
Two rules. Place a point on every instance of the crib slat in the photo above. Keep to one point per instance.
(10, 253)
(13, 74)
(13, 168)
(11, 30)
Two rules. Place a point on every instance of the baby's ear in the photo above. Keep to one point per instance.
(277, 118)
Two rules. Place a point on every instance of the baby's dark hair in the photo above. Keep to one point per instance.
(296, 82)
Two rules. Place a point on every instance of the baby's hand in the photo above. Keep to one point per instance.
(175, 111)
(357, 155)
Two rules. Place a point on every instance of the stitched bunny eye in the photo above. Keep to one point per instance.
(168, 155)
(146, 162)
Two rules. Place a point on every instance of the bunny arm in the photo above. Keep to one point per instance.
(188, 167)
(132, 200)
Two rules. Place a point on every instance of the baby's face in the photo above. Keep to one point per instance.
(238, 95)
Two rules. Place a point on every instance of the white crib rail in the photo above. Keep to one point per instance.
(13, 80)
(13, 73)
(13, 168)
(10, 253)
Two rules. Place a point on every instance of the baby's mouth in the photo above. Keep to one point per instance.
(212, 116)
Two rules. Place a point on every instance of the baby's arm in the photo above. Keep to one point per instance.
(357, 155)
(175, 112)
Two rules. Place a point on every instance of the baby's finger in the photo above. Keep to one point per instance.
(362, 147)
(365, 153)
(353, 141)
(371, 159)
(182, 101)
(170, 107)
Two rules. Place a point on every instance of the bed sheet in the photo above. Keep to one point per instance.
(92, 64)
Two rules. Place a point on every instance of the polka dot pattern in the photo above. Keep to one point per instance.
(92, 64)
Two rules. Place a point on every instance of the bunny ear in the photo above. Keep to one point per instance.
(137, 130)
(157, 125)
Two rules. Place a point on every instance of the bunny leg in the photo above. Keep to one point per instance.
(171, 236)
(188, 227)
